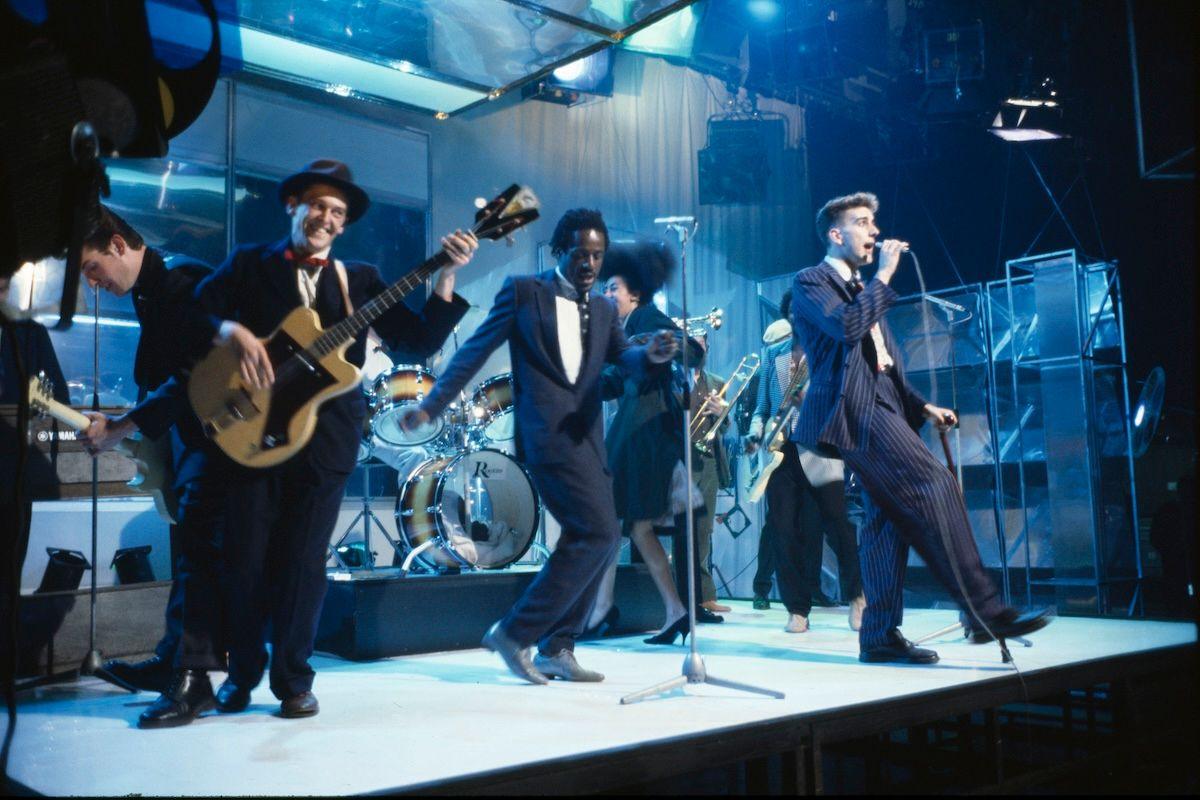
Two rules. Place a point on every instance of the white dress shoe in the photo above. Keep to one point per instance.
(797, 623)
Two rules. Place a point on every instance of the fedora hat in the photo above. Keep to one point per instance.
(331, 173)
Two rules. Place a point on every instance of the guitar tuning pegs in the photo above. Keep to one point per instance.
(509, 240)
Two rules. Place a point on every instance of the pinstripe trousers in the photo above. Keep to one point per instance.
(911, 500)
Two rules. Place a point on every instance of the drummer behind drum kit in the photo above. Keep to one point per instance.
(462, 503)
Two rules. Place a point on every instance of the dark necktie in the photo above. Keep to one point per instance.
(855, 287)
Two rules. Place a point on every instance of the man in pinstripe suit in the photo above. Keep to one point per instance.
(860, 404)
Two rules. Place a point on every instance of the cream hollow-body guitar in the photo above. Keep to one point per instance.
(151, 457)
(265, 427)
(771, 454)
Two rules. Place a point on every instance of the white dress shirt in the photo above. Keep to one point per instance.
(570, 345)
(846, 274)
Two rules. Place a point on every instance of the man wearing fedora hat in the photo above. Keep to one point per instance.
(281, 518)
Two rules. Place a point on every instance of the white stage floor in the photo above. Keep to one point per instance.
(419, 719)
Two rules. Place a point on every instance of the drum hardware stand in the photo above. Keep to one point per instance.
(694, 670)
(367, 515)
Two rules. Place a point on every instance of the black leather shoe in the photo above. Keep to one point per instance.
(300, 705)
(761, 603)
(232, 698)
(605, 626)
(898, 650)
(151, 675)
(189, 695)
(516, 658)
(823, 600)
(704, 615)
(1010, 623)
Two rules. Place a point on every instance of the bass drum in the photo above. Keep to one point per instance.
(399, 388)
(479, 508)
(492, 403)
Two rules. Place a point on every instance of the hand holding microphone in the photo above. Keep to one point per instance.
(889, 257)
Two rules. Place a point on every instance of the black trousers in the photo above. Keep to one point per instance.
(194, 637)
(554, 609)
(799, 516)
(275, 548)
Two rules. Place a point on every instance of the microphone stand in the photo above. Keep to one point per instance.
(694, 670)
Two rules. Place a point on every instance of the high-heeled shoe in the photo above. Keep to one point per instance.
(668, 634)
(606, 625)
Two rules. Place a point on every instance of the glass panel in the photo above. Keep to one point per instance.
(615, 15)
(488, 43)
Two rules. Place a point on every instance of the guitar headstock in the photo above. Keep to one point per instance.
(514, 208)
(41, 393)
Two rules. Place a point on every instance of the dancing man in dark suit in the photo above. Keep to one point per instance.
(116, 258)
(860, 404)
(559, 336)
(280, 518)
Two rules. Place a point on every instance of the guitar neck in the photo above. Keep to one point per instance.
(348, 328)
(785, 412)
(66, 415)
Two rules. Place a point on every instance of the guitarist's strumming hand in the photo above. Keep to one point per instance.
(661, 348)
(105, 432)
(460, 246)
(255, 363)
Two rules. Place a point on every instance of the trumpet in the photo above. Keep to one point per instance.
(700, 325)
(704, 428)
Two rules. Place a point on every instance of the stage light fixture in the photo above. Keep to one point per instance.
(64, 571)
(133, 565)
(575, 82)
(1032, 117)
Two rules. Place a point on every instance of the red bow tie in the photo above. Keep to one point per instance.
(309, 261)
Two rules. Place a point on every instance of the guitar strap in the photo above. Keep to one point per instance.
(344, 282)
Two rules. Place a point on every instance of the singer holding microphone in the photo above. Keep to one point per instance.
(860, 406)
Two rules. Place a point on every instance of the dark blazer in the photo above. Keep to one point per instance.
(554, 418)
(834, 329)
(37, 355)
(257, 287)
(171, 340)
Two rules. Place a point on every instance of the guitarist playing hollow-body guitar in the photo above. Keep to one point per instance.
(282, 516)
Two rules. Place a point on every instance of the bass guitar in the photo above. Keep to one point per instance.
(151, 457)
(771, 455)
(265, 427)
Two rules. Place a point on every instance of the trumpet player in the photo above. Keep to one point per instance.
(799, 478)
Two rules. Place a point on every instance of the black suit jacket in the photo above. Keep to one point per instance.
(834, 328)
(172, 338)
(257, 287)
(555, 419)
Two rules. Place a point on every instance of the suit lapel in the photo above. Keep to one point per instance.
(836, 281)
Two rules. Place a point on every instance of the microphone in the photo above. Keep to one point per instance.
(674, 220)
(903, 249)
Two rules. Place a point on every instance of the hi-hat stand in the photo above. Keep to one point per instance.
(694, 670)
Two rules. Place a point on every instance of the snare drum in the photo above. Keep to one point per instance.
(493, 407)
(480, 508)
(399, 388)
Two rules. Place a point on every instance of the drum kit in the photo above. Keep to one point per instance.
(462, 502)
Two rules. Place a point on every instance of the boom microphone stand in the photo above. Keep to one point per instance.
(693, 664)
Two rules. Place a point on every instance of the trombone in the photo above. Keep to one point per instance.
(713, 320)
(705, 427)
